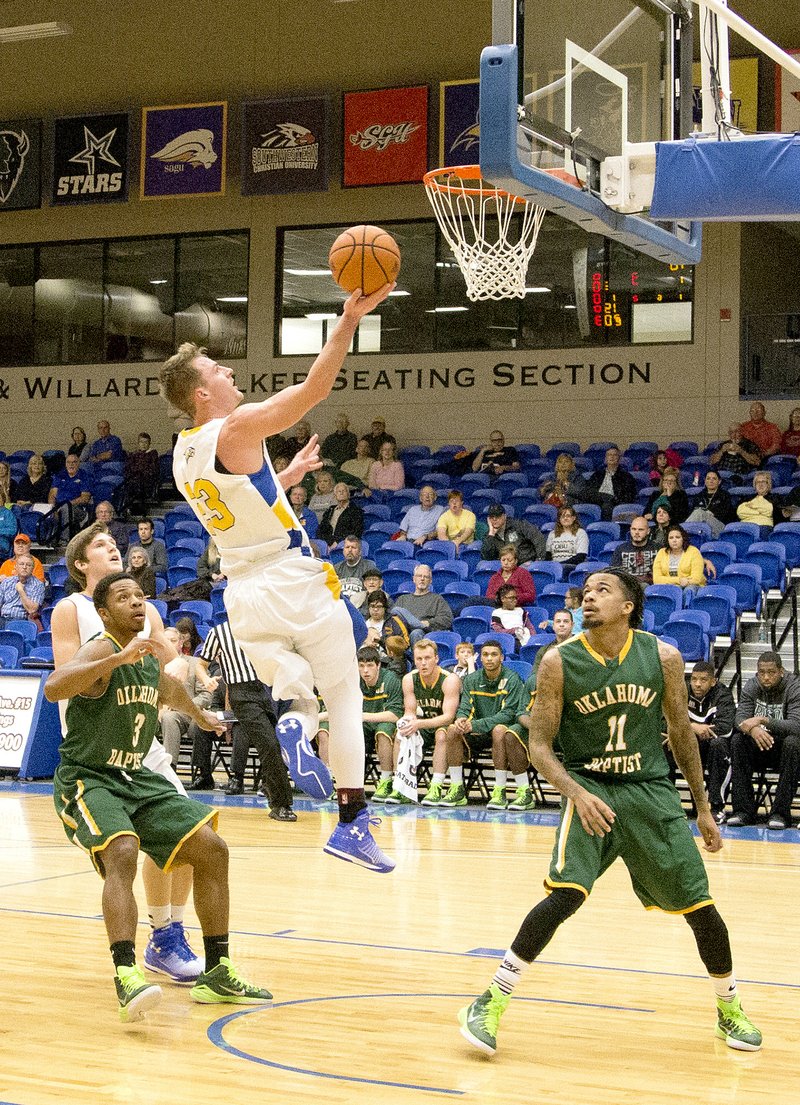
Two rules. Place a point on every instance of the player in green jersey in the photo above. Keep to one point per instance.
(111, 804)
(602, 694)
(382, 697)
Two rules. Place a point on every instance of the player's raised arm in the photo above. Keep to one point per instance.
(88, 672)
(545, 719)
(683, 741)
(247, 426)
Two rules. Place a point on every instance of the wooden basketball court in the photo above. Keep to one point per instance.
(368, 972)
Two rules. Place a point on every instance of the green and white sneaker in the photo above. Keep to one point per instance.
(497, 799)
(382, 791)
(395, 798)
(523, 799)
(735, 1027)
(434, 795)
(479, 1021)
(456, 796)
(135, 994)
(225, 986)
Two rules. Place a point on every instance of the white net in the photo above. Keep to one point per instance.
(492, 233)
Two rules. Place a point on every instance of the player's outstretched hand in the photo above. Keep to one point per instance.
(211, 723)
(359, 304)
(709, 831)
(136, 650)
(305, 460)
(596, 817)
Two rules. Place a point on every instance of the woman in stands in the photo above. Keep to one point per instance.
(670, 487)
(382, 625)
(790, 442)
(713, 505)
(661, 461)
(359, 467)
(511, 572)
(567, 542)
(139, 568)
(680, 562)
(190, 638)
(80, 446)
(760, 508)
(555, 491)
(509, 617)
(35, 486)
(662, 519)
(387, 473)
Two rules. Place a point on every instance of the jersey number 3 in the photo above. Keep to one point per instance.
(616, 733)
(215, 516)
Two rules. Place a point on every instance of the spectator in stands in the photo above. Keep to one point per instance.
(8, 487)
(377, 435)
(323, 497)
(466, 660)
(107, 446)
(456, 524)
(21, 594)
(430, 609)
(209, 566)
(661, 461)
(104, 512)
(71, 496)
(736, 453)
(663, 520)
(34, 487)
(556, 491)
(359, 467)
(511, 572)
(299, 440)
(307, 518)
(713, 505)
(611, 485)
(766, 738)
(790, 441)
(190, 639)
(340, 519)
(22, 547)
(510, 617)
(382, 624)
(567, 542)
(573, 601)
(419, 523)
(491, 701)
(525, 536)
(759, 509)
(670, 488)
(496, 457)
(563, 628)
(141, 475)
(680, 562)
(766, 435)
(174, 724)
(711, 714)
(340, 446)
(139, 568)
(636, 555)
(79, 446)
(351, 570)
(154, 547)
(387, 473)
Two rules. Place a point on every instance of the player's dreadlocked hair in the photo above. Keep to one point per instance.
(634, 592)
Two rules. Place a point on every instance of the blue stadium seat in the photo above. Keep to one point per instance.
(217, 599)
(685, 448)
(398, 574)
(524, 497)
(571, 447)
(540, 514)
(468, 627)
(771, 559)
(787, 534)
(719, 602)
(600, 533)
(9, 656)
(479, 610)
(545, 572)
(447, 571)
(746, 580)
(720, 553)
(741, 534)
(626, 512)
(16, 640)
(27, 629)
(588, 513)
(474, 481)
(195, 545)
(577, 577)
(507, 641)
(528, 651)
(662, 599)
(200, 609)
(57, 574)
(691, 629)
(701, 531)
(447, 640)
(180, 574)
(483, 572)
(435, 550)
(551, 599)
(457, 593)
(523, 668)
(378, 512)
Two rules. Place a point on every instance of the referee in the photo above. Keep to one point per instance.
(255, 712)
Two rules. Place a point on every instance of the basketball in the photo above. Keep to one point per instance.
(364, 257)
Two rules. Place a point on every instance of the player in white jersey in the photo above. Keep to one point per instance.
(284, 605)
(91, 555)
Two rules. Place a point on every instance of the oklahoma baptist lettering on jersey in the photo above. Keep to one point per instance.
(249, 517)
(611, 718)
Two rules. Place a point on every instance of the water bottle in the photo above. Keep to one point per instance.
(696, 480)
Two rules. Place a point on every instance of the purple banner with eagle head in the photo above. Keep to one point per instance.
(183, 150)
(458, 122)
(285, 146)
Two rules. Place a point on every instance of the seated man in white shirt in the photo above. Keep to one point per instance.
(419, 523)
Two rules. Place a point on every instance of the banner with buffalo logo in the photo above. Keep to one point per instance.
(385, 136)
(458, 122)
(20, 164)
(285, 146)
(183, 150)
(90, 159)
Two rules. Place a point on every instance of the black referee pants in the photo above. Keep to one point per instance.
(253, 709)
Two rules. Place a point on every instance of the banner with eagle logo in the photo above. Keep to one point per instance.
(459, 130)
(285, 146)
(183, 150)
(20, 164)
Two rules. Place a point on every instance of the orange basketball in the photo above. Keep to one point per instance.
(364, 257)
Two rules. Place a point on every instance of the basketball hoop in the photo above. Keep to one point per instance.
(492, 247)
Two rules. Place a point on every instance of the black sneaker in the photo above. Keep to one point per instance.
(719, 816)
(777, 823)
(282, 813)
(737, 820)
(235, 786)
(205, 782)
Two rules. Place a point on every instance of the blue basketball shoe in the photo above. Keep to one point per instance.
(355, 843)
(306, 769)
(168, 952)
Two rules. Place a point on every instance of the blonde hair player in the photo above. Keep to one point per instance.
(284, 605)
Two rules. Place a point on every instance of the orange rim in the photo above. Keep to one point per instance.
(438, 180)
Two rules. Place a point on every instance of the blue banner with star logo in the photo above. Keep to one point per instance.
(90, 159)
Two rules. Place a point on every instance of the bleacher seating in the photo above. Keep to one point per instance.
(692, 630)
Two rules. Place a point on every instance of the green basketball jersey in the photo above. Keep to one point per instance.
(611, 718)
(430, 699)
(387, 694)
(115, 731)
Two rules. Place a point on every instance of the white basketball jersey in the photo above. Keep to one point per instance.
(249, 517)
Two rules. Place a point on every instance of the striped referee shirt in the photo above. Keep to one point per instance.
(220, 645)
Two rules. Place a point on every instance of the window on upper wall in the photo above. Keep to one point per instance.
(122, 300)
(582, 291)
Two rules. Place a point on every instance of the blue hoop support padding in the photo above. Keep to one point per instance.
(500, 163)
(751, 178)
